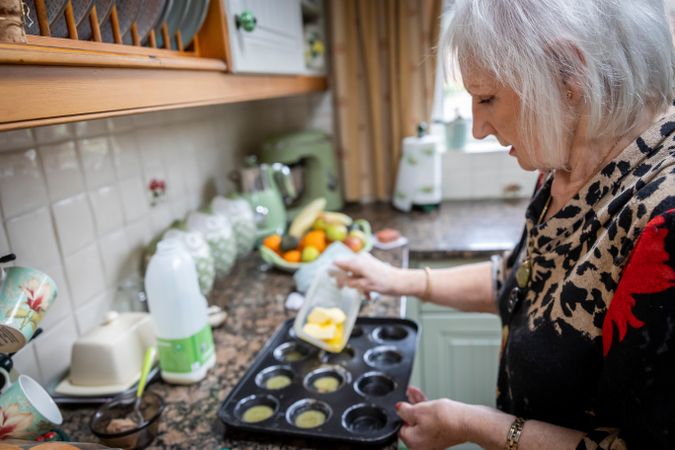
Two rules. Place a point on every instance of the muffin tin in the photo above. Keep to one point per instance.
(370, 375)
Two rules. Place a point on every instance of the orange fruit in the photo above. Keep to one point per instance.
(292, 256)
(314, 238)
(273, 242)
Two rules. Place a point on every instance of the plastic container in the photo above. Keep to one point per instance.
(325, 293)
(180, 314)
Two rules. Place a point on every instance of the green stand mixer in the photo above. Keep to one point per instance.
(312, 160)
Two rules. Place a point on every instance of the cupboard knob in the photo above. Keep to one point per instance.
(246, 20)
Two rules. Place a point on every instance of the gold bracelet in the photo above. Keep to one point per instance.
(427, 285)
(514, 433)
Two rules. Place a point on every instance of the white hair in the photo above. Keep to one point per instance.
(619, 53)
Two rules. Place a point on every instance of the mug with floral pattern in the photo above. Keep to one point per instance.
(27, 410)
(25, 296)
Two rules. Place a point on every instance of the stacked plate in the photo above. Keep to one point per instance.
(184, 16)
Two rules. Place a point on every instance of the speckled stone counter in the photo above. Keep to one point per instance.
(254, 300)
(455, 229)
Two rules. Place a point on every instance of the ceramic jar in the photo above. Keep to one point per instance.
(198, 248)
(219, 236)
(239, 213)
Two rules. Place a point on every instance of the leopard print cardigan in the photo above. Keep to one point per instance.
(590, 344)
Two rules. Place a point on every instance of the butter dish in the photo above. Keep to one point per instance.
(108, 358)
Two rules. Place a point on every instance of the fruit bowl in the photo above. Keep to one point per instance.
(275, 259)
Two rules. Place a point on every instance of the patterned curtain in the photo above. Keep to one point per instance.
(383, 68)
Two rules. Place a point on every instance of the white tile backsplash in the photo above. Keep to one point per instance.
(134, 198)
(151, 152)
(179, 207)
(53, 133)
(483, 175)
(175, 181)
(25, 362)
(91, 314)
(22, 186)
(161, 217)
(4, 242)
(125, 155)
(79, 209)
(139, 234)
(74, 223)
(123, 123)
(96, 162)
(53, 349)
(107, 208)
(154, 173)
(85, 274)
(192, 175)
(91, 128)
(62, 169)
(15, 140)
(115, 253)
(33, 240)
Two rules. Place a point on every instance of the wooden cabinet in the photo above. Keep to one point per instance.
(53, 80)
(458, 356)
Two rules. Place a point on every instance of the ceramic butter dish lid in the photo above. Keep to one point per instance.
(112, 353)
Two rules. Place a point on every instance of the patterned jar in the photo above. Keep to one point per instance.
(198, 248)
(239, 213)
(220, 237)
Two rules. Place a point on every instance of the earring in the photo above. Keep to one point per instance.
(569, 94)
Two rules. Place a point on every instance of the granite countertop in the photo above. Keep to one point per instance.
(455, 229)
(254, 301)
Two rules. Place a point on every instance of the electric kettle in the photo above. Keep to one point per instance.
(267, 188)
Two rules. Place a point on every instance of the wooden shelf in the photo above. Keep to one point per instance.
(54, 80)
(96, 54)
(44, 95)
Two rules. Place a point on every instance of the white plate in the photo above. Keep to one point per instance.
(66, 388)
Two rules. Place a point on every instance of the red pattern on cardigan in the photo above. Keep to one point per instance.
(647, 272)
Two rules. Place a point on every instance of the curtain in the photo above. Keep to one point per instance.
(383, 72)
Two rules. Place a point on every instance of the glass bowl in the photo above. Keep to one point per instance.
(137, 437)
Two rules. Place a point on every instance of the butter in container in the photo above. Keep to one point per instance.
(327, 316)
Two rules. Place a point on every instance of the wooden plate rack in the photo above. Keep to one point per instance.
(43, 22)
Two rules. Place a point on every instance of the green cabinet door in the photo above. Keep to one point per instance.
(458, 356)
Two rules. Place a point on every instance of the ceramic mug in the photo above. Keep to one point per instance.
(27, 410)
(25, 296)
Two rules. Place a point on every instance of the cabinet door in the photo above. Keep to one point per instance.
(275, 44)
(460, 357)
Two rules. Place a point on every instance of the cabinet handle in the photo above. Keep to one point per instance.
(246, 20)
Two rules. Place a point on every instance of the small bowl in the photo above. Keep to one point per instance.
(137, 437)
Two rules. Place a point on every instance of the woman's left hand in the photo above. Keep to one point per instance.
(428, 425)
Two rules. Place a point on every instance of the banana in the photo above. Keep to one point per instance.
(337, 218)
(304, 220)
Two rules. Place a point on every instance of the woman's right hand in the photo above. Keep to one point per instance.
(368, 274)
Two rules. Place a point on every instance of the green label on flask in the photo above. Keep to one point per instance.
(187, 354)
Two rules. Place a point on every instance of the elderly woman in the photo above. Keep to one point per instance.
(578, 89)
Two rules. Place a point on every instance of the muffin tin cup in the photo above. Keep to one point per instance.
(347, 397)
